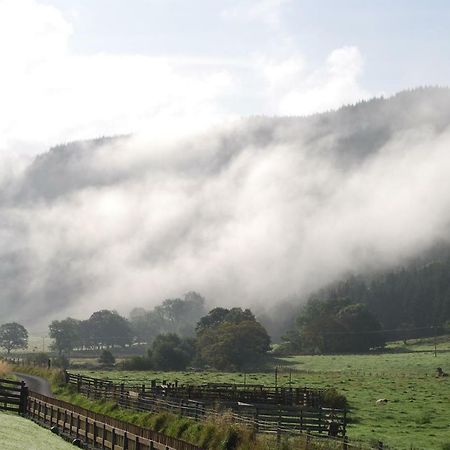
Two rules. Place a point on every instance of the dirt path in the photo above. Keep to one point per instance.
(36, 384)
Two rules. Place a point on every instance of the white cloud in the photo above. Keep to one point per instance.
(50, 95)
(294, 90)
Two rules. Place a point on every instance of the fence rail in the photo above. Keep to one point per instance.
(13, 396)
(211, 393)
(97, 429)
(262, 417)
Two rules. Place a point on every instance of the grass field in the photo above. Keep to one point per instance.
(17, 433)
(417, 414)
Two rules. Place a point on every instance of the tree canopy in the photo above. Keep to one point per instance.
(231, 339)
(13, 336)
(336, 325)
(65, 334)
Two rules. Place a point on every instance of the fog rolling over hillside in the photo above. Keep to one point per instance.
(249, 213)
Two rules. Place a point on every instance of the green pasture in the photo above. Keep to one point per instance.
(417, 415)
(18, 433)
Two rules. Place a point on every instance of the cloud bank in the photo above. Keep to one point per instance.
(247, 214)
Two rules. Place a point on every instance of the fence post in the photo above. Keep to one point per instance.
(345, 443)
(104, 436)
(23, 402)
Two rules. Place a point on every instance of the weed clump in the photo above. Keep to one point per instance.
(332, 399)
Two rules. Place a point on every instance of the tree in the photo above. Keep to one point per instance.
(337, 325)
(13, 336)
(362, 330)
(171, 316)
(170, 352)
(65, 334)
(219, 315)
(106, 358)
(180, 315)
(108, 328)
(232, 346)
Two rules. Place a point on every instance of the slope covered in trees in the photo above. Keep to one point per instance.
(361, 313)
(248, 213)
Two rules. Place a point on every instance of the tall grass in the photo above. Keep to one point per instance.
(5, 369)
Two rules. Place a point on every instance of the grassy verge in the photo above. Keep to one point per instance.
(5, 370)
(18, 433)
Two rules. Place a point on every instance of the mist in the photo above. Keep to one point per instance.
(247, 213)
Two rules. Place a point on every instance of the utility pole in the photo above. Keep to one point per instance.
(276, 376)
(435, 342)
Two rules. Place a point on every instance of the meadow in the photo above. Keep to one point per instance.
(416, 416)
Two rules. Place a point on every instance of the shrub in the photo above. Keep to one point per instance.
(137, 363)
(61, 361)
(106, 358)
(332, 399)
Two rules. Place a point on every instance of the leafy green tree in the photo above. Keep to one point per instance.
(336, 325)
(65, 334)
(106, 358)
(13, 336)
(108, 328)
(232, 346)
(170, 352)
(362, 330)
(219, 315)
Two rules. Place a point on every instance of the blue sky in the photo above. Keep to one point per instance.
(77, 69)
(404, 42)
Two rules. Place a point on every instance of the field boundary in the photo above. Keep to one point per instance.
(13, 396)
(98, 429)
(261, 417)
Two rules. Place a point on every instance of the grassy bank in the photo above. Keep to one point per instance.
(18, 433)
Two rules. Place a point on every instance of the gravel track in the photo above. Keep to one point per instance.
(36, 384)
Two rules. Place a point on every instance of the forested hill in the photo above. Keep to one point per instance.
(412, 297)
(348, 136)
(246, 213)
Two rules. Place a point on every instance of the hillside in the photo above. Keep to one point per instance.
(247, 214)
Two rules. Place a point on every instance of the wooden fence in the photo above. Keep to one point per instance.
(98, 430)
(262, 417)
(13, 396)
(214, 393)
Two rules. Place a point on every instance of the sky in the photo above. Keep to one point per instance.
(81, 69)
(274, 207)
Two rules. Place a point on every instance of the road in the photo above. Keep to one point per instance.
(36, 384)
